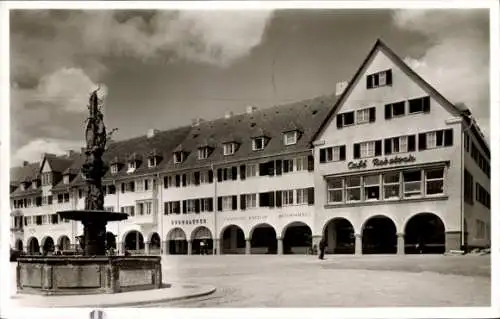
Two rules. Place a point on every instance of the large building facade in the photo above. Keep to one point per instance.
(387, 165)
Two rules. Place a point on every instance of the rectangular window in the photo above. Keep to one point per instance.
(251, 170)
(379, 79)
(391, 185)
(152, 162)
(66, 197)
(434, 181)
(371, 187)
(287, 197)
(468, 188)
(412, 186)
(66, 179)
(362, 116)
(301, 196)
(367, 149)
(353, 188)
(332, 154)
(227, 203)
(229, 148)
(203, 153)
(178, 157)
(131, 166)
(251, 201)
(258, 143)
(290, 138)
(335, 190)
(419, 105)
(301, 163)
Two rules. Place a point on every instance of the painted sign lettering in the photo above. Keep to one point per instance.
(382, 161)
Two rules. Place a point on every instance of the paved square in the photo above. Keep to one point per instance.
(338, 281)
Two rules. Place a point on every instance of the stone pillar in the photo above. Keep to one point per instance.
(165, 247)
(280, 246)
(137, 242)
(331, 239)
(146, 247)
(190, 247)
(233, 237)
(453, 240)
(217, 246)
(401, 244)
(248, 246)
(358, 245)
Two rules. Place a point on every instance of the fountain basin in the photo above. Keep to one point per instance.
(63, 275)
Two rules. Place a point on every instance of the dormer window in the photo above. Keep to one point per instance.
(203, 152)
(131, 167)
(34, 184)
(152, 162)
(258, 143)
(114, 168)
(46, 178)
(290, 138)
(229, 148)
(178, 157)
(379, 79)
(66, 179)
(22, 186)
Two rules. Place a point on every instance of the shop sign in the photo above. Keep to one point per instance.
(294, 215)
(382, 161)
(189, 222)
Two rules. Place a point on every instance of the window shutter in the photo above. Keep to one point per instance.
(342, 153)
(411, 143)
(197, 206)
(262, 199)
(378, 148)
(322, 155)
(184, 206)
(270, 168)
(387, 146)
(422, 142)
(219, 204)
(271, 199)
(197, 178)
(165, 182)
(286, 167)
(263, 169)
(310, 163)
(372, 114)
(278, 198)
(439, 138)
(123, 187)
(243, 203)
(388, 111)
(339, 121)
(278, 167)
(388, 77)
(184, 178)
(210, 176)
(426, 104)
(234, 172)
(219, 175)
(243, 172)
(448, 137)
(235, 202)
(310, 196)
(357, 151)
(368, 82)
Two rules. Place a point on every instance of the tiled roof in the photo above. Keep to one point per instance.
(271, 122)
(21, 174)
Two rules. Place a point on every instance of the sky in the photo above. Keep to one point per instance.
(161, 69)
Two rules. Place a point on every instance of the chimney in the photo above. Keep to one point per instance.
(196, 121)
(25, 163)
(152, 132)
(340, 87)
(228, 114)
(251, 109)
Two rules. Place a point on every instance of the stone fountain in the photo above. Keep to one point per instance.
(92, 271)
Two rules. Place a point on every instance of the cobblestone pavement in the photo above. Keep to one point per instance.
(338, 281)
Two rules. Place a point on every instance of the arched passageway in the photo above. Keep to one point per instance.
(154, 244)
(379, 236)
(48, 245)
(33, 246)
(263, 240)
(297, 238)
(233, 240)
(177, 242)
(202, 242)
(134, 242)
(424, 234)
(64, 243)
(110, 240)
(339, 234)
(19, 245)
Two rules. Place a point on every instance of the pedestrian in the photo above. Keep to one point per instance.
(322, 247)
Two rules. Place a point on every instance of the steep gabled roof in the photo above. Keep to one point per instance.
(21, 174)
(380, 45)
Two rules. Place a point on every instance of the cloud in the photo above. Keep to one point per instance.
(457, 61)
(33, 150)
